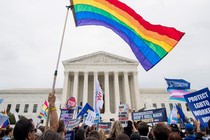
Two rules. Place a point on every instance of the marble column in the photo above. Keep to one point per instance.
(127, 90)
(95, 77)
(75, 86)
(66, 87)
(116, 90)
(136, 91)
(85, 89)
(106, 93)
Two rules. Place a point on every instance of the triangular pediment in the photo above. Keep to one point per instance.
(100, 58)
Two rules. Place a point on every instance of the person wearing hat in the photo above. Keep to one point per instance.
(190, 132)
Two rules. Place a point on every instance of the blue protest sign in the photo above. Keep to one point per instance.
(199, 104)
(70, 135)
(154, 115)
(66, 115)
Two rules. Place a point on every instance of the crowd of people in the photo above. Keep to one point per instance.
(26, 130)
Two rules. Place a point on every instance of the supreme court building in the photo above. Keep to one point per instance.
(118, 77)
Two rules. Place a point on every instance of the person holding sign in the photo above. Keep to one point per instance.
(115, 130)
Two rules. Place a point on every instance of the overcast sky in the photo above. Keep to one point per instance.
(30, 36)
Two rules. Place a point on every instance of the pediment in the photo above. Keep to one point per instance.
(100, 58)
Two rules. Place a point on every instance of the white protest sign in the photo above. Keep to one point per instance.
(90, 118)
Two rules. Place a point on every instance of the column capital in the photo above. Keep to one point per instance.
(135, 73)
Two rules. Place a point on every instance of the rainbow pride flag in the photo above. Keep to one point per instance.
(43, 112)
(150, 43)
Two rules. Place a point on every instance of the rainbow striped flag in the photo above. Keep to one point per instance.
(150, 43)
(43, 112)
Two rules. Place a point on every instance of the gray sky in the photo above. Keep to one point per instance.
(30, 35)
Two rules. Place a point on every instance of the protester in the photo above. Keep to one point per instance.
(190, 133)
(24, 130)
(143, 130)
(161, 131)
(80, 134)
(8, 134)
(102, 134)
(115, 130)
(174, 136)
(122, 136)
(50, 135)
(53, 112)
(61, 129)
(38, 134)
(135, 136)
(95, 134)
(128, 130)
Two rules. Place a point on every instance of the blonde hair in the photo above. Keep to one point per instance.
(116, 129)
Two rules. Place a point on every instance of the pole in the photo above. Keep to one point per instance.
(56, 70)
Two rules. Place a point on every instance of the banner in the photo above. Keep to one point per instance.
(199, 104)
(149, 116)
(66, 115)
(70, 135)
(105, 126)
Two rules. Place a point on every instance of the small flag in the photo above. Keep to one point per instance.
(44, 110)
(180, 114)
(3, 119)
(1, 100)
(6, 123)
(173, 117)
(98, 98)
(16, 116)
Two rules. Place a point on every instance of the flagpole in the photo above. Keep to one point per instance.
(56, 70)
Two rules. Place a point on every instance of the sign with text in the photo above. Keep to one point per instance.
(90, 118)
(105, 126)
(123, 114)
(149, 116)
(199, 104)
(66, 115)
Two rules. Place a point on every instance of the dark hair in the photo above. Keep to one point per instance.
(174, 128)
(129, 128)
(22, 128)
(143, 128)
(80, 134)
(94, 134)
(174, 136)
(90, 138)
(122, 136)
(61, 126)
(50, 135)
(8, 130)
(161, 131)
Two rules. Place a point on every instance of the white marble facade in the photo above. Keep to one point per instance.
(117, 76)
(118, 79)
